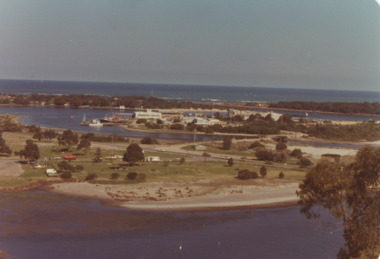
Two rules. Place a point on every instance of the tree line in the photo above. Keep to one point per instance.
(77, 101)
(337, 107)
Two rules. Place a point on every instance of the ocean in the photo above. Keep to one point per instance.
(200, 93)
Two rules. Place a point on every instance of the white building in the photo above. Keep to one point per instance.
(197, 121)
(149, 114)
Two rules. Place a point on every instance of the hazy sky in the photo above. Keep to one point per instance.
(331, 44)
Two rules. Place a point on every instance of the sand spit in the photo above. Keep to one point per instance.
(180, 196)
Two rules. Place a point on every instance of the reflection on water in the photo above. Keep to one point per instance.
(36, 224)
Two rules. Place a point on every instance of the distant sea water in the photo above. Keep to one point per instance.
(187, 92)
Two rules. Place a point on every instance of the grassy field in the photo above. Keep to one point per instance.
(170, 169)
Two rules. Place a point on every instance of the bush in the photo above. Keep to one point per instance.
(245, 174)
(182, 161)
(256, 144)
(115, 176)
(90, 177)
(264, 154)
(66, 175)
(281, 175)
(132, 175)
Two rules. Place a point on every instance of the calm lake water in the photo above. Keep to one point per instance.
(36, 224)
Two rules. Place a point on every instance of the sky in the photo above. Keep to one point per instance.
(319, 44)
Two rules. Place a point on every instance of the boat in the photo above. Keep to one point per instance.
(92, 123)
(95, 123)
(84, 122)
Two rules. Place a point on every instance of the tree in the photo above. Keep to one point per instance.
(230, 161)
(85, 144)
(30, 151)
(227, 142)
(68, 138)
(264, 154)
(59, 101)
(182, 161)
(304, 162)
(4, 149)
(350, 193)
(49, 134)
(296, 153)
(281, 146)
(263, 171)
(65, 166)
(133, 154)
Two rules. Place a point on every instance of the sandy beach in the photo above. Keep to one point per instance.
(180, 196)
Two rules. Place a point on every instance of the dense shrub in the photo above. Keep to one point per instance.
(245, 174)
(281, 175)
(280, 157)
(148, 140)
(227, 142)
(66, 175)
(115, 176)
(304, 162)
(132, 175)
(177, 127)
(256, 144)
(90, 177)
(153, 125)
(78, 168)
(264, 154)
(141, 121)
(182, 161)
